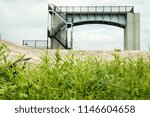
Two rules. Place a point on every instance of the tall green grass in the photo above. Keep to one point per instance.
(71, 78)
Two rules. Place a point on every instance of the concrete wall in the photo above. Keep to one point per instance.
(132, 32)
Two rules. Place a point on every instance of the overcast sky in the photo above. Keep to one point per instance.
(27, 20)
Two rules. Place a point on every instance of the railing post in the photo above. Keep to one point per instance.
(47, 36)
(23, 43)
(35, 43)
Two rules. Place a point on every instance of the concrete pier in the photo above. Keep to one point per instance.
(132, 32)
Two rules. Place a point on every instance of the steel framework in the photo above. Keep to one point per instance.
(60, 18)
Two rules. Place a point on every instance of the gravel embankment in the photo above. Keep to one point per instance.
(36, 54)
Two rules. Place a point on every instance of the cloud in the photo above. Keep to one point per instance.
(23, 20)
(100, 38)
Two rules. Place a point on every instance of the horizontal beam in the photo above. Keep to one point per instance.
(99, 22)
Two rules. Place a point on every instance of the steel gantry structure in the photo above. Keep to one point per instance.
(61, 18)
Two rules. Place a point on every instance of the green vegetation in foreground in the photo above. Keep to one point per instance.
(72, 78)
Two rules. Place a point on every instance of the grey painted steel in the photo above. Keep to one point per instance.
(64, 17)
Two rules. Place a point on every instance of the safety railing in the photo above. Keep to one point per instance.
(96, 9)
(55, 30)
(40, 44)
(57, 10)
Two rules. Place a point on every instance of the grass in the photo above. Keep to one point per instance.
(72, 78)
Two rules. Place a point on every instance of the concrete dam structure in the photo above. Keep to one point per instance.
(61, 18)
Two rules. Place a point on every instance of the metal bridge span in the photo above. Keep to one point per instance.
(60, 18)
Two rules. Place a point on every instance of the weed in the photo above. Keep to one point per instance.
(74, 78)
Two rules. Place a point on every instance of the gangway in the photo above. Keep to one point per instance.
(61, 18)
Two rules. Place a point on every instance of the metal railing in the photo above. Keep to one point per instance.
(57, 10)
(55, 30)
(40, 44)
(96, 9)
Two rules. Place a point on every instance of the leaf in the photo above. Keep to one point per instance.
(23, 95)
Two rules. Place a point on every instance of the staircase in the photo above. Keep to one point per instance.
(54, 33)
(57, 29)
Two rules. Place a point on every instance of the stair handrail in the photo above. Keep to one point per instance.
(61, 40)
(54, 31)
(57, 10)
(57, 29)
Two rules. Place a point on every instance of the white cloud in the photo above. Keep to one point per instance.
(23, 20)
(103, 37)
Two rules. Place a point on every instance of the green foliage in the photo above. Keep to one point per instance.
(73, 78)
(117, 50)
